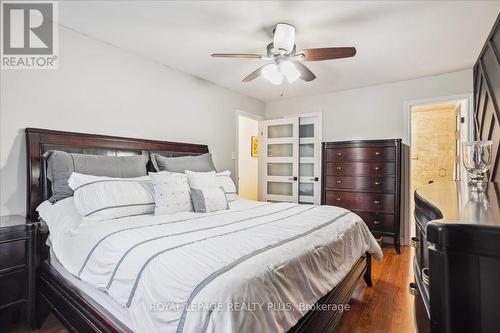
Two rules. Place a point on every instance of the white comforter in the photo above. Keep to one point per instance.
(253, 268)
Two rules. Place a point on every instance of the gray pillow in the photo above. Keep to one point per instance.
(199, 163)
(61, 164)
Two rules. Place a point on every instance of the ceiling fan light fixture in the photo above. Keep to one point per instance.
(272, 73)
(284, 37)
(290, 71)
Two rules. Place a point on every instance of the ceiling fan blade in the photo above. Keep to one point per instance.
(237, 55)
(255, 74)
(327, 53)
(305, 73)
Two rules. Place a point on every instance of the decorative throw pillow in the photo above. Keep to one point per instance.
(223, 179)
(171, 191)
(105, 198)
(60, 166)
(198, 163)
(201, 179)
(209, 199)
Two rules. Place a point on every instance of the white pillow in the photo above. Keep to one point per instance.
(201, 179)
(209, 199)
(103, 198)
(171, 192)
(63, 212)
(223, 179)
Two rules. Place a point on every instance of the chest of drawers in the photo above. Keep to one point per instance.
(365, 177)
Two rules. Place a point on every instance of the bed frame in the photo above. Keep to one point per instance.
(76, 310)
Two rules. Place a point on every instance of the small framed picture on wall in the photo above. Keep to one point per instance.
(255, 146)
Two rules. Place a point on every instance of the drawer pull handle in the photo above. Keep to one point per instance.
(376, 222)
(412, 289)
(339, 154)
(339, 181)
(338, 199)
(414, 242)
(339, 168)
(425, 275)
(378, 168)
(377, 183)
(376, 202)
(377, 153)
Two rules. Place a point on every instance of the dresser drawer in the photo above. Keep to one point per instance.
(12, 254)
(376, 202)
(361, 153)
(360, 168)
(380, 184)
(13, 287)
(378, 221)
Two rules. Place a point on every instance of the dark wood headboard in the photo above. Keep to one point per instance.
(487, 97)
(38, 141)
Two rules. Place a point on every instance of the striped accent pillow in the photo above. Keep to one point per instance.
(105, 198)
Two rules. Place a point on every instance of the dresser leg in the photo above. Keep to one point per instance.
(397, 245)
(368, 273)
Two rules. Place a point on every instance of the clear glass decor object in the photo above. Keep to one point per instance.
(477, 160)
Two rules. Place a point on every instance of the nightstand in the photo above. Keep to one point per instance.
(17, 271)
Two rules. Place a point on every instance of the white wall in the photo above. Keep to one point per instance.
(375, 112)
(248, 168)
(102, 89)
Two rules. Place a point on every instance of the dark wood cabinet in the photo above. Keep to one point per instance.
(366, 177)
(457, 259)
(17, 273)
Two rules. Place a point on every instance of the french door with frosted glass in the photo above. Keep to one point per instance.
(290, 159)
(309, 160)
(278, 156)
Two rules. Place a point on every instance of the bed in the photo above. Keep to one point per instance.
(120, 276)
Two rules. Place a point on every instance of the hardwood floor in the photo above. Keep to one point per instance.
(387, 307)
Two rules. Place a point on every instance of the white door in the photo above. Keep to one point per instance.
(278, 159)
(310, 159)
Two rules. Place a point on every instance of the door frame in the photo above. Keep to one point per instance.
(408, 105)
(253, 116)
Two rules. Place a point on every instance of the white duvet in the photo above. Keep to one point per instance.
(253, 268)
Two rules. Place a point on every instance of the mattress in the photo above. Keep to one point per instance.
(254, 267)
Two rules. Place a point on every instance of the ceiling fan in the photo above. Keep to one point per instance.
(287, 62)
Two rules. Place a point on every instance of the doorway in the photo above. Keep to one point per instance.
(437, 127)
(434, 143)
(247, 126)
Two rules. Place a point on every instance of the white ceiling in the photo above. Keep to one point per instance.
(394, 40)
